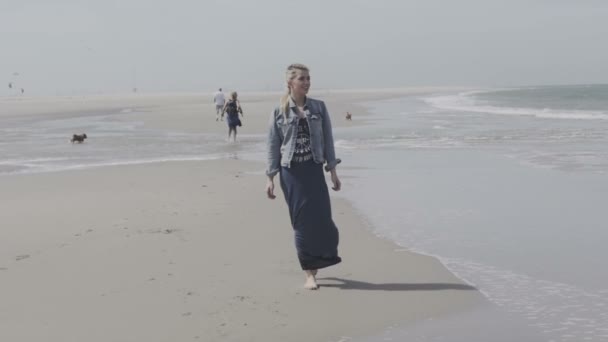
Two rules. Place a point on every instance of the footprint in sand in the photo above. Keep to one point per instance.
(21, 257)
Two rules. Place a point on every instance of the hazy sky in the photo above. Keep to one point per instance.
(89, 46)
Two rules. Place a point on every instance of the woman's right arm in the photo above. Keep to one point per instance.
(274, 147)
(274, 153)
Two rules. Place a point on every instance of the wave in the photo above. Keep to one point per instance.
(30, 161)
(558, 310)
(400, 141)
(29, 166)
(465, 102)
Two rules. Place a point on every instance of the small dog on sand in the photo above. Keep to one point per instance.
(349, 116)
(79, 138)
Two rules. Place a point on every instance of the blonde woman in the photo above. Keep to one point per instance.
(300, 141)
(233, 108)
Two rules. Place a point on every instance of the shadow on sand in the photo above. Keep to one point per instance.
(347, 284)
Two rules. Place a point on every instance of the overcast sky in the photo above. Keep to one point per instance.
(91, 46)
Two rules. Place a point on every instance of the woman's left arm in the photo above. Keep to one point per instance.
(328, 140)
(330, 152)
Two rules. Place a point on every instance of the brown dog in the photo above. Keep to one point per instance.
(349, 116)
(79, 138)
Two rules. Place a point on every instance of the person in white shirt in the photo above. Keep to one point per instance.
(219, 100)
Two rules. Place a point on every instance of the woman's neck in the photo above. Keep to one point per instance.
(300, 101)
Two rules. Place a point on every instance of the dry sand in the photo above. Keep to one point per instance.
(193, 251)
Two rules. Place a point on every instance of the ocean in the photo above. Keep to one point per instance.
(506, 187)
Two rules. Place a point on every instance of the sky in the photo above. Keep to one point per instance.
(64, 47)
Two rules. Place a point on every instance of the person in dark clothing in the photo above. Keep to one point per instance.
(232, 108)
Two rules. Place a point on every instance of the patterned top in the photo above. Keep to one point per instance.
(302, 151)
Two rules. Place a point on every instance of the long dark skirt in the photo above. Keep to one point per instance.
(307, 196)
(233, 120)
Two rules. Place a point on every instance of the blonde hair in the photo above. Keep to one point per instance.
(290, 74)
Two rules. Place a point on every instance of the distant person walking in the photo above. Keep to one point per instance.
(233, 109)
(219, 100)
(300, 141)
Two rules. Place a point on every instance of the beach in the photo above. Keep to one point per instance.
(190, 248)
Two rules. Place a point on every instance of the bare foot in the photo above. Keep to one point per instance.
(311, 282)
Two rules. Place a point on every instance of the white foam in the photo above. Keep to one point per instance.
(552, 305)
(41, 168)
(402, 141)
(464, 102)
(30, 161)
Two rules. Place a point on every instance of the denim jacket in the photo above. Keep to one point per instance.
(282, 136)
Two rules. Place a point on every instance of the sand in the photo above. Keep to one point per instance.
(194, 251)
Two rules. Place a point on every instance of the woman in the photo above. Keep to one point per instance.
(300, 140)
(233, 108)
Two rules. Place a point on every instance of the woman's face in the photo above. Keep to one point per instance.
(300, 84)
